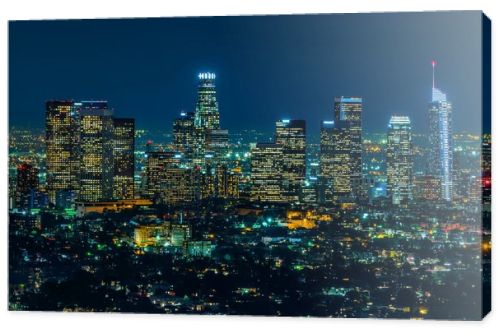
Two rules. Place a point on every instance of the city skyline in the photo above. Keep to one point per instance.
(209, 216)
(91, 156)
(293, 90)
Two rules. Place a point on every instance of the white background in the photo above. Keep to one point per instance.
(50, 322)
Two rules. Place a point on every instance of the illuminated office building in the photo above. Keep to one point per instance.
(342, 175)
(374, 169)
(206, 134)
(326, 162)
(399, 160)
(169, 182)
(440, 139)
(96, 152)
(184, 133)
(220, 182)
(179, 235)
(217, 142)
(183, 185)
(62, 146)
(426, 188)
(26, 185)
(156, 173)
(348, 144)
(267, 173)
(291, 135)
(209, 178)
(466, 176)
(123, 158)
(227, 182)
(152, 235)
(200, 248)
(207, 108)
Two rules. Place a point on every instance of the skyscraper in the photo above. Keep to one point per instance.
(207, 108)
(183, 185)
(183, 131)
(343, 176)
(156, 174)
(96, 152)
(440, 139)
(220, 182)
(26, 185)
(267, 173)
(227, 182)
(62, 146)
(291, 135)
(348, 126)
(217, 142)
(123, 158)
(399, 160)
(466, 177)
(207, 133)
(326, 162)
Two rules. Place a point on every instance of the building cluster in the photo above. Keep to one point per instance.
(90, 158)
(196, 167)
(279, 169)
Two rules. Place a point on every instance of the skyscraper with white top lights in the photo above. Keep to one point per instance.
(206, 119)
(207, 108)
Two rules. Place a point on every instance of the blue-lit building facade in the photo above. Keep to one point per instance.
(441, 142)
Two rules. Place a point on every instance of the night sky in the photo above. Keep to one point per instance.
(267, 67)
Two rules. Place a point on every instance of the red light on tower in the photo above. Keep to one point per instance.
(487, 182)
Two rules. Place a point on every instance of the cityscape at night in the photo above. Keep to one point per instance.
(365, 207)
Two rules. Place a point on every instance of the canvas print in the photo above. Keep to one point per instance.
(333, 165)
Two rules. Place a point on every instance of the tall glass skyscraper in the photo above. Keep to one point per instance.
(207, 133)
(347, 118)
(96, 152)
(399, 160)
(291, 135)
(343, 175)
(207, 108)
(123, 158)
(183, 131)
(156, 174)
(326, 161)
(267, 173)
(62, 146)
(26, 185)
(440, 138)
